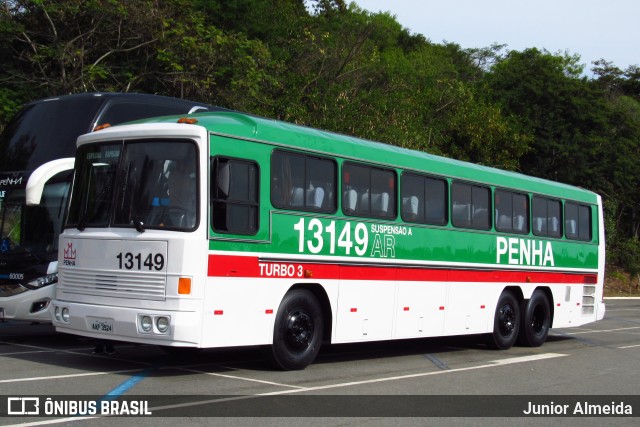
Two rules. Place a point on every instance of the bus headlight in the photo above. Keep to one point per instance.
(146, 324)
(162, 323)
(65, 315)
(56, 313)
(48, 279)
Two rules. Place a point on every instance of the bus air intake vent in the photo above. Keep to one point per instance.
(125, 284)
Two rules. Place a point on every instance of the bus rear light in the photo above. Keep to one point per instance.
(184, 286)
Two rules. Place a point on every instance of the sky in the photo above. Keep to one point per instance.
(593, 29)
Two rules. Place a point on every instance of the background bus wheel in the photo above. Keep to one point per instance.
(506, 322)
(536, 319)
(297, 334)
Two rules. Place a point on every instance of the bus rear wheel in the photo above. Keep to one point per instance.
(297, 333)
(536, 320)
(506, 322)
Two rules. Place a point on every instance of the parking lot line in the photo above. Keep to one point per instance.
(439, 363)
(56, 377)
(493, 364)
(131, 382)
(236, 377)
(591, 331)
(630, 346)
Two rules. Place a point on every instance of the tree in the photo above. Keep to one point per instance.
(67, 46)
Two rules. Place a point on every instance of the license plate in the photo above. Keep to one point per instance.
(105, 326)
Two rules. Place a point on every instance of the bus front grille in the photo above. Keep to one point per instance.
(118, 284)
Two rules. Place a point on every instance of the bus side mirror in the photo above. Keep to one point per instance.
(40, 176)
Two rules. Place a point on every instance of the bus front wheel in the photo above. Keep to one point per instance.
(536, 319)
(506, 322)
(297, 333)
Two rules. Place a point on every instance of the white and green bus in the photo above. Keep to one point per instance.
(225, 229)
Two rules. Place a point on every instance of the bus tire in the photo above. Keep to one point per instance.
(536, 320)
(297, 332)
(506, 321)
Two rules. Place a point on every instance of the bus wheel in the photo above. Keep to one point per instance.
(536, 319)
(506, 322)
(297, 333)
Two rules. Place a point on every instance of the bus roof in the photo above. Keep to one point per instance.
(333, 144)
(47, 129)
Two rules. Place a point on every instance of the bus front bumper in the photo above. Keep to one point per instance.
(169, 328)
(31, 305)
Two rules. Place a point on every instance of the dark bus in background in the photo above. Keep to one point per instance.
(41, 139)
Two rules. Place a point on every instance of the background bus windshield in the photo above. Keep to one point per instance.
(45, 221)
(23, 140)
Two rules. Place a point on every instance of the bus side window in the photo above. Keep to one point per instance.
(470, 206)
(511, 212)
(577, 222)
(234, 196)
(368, 191)
(302, 182)
(423, 199)
(546, 217)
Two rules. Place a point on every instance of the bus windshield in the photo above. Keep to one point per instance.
(135, 184)
(33, 229)
(22, 141)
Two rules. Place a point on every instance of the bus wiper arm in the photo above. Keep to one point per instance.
(83, 221)
(138, 224)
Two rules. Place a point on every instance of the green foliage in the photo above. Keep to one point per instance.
(626, 254)
(9, 105)
(347, 70)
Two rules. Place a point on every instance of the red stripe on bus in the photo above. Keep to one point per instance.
(252, 267)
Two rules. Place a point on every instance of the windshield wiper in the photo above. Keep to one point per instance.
(83, 221)
(138, 224)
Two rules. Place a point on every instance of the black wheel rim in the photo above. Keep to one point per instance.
(507, 320)
(299, 331)
(538, 319)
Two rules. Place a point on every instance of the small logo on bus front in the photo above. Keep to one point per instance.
(69, 254)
